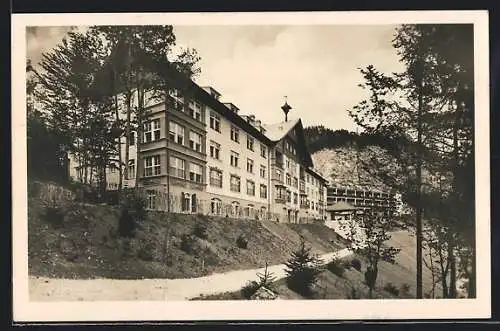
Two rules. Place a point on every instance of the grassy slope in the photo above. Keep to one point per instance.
(87, 245)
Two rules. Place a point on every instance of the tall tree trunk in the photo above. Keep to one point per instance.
(419, 181)
(140, 114)
(117, 118)
(128, 99)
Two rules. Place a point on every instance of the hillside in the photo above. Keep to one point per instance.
(346, 167)
(85, 242)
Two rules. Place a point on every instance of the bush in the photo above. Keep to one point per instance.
(188, 243)
(249, 289)
(356, 264)
(391, 288)
(201, 230)
(302, 271)
(336, 268)
(133, 212)
(405, 290)
(353, 294)
(242, 241)
(54, 215)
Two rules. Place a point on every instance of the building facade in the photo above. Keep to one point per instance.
(362, 199)
(198, 154)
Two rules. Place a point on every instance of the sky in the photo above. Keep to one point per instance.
(255, 67)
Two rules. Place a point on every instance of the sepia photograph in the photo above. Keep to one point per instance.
(284, 166)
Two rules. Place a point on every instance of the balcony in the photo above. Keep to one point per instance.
(280, 200)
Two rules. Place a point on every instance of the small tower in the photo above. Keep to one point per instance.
(286, 108)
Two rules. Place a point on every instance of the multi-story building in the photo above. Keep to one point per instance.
(198, 154)
(361, 200)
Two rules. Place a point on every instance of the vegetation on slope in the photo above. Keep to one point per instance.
(80, 240)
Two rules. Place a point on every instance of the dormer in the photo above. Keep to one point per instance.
(232, 107)
(210, 90)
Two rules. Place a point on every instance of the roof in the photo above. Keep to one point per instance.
(276, 132)
(340, 206)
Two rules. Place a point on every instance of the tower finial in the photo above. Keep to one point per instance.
(286, 108)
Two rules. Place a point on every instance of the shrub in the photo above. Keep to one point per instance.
(133, 212)
(353, 294)
(356, 264)
(188, 243)
(249, 289)
(405, 290)
(242, 241)
(302, 271)
(201, 230)
(54, 215)
(391, 288)
(336, 268)
(266, 279)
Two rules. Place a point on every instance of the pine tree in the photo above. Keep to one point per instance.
(303, 269)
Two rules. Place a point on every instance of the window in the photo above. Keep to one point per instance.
(214, 150)
(152, 130)
(280, 193)
(279, 176)
(250, 166)
(235, 134)
(195, 110)
(235, 209)
(250, 143)
(131, 138)
(295, 198)
(234, 159)
(150, 199)
(216, 177)
(263, 191)
(214, 121)
(263, 171)
(288, 196)
(195, 171)
(195, 141)
(235, 183)
(177, 167)
(176, 133)
(295, 182)
(288, 164)
(131, 169)
(288, 180)
(189, 202)
(307, 179)
(263, 151)
(152, 166)
(250, 188)
(216, 206)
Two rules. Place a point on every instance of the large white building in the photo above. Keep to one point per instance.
(201, 155)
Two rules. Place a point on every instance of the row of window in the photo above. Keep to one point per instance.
(286, 195)
(177, 168)
(216, 180)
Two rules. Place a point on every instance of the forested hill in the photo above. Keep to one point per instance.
(319, 137)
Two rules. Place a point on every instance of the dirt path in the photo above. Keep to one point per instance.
(50, 289)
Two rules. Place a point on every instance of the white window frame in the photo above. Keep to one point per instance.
(215, 121)
(131, 169)
(152, 130)
(235, 134)
(234, 159)
(250, 143)
(232, 185)
(250, 165)
(195, 172)
(154, 166)
(177, 167)
(214, 150)
(216, 181)
(195, 140)
(263, 171)
(263, 188)
(176, 133)
(250, 184)
(263, 151)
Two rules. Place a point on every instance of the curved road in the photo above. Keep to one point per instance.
(54, 289)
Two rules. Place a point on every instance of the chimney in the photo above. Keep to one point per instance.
(251, 119)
